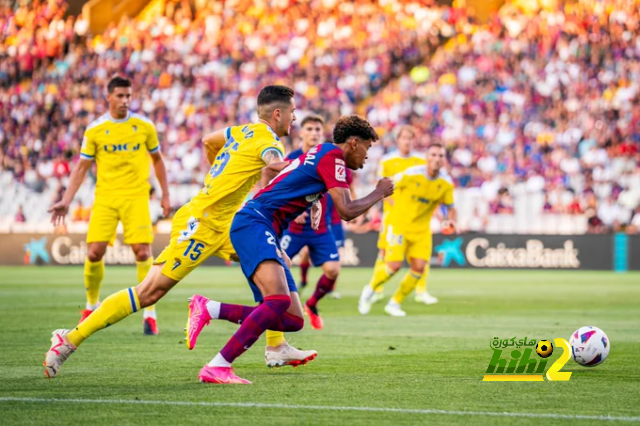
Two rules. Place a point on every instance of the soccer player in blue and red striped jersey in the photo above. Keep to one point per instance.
(258, 227)
(322, 247)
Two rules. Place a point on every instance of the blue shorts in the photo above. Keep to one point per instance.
(255, 241)
(322, 247)
(338, 234)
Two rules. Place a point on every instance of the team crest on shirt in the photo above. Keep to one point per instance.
(107, 132)
(341, 172)
(135, 128)
(177, 262)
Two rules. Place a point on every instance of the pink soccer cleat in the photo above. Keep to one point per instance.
(150, 327)
(220, 376)
(198, 318)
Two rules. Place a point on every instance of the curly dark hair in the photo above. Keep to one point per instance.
(353, 125)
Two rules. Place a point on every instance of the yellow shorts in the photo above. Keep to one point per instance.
(132, 212)
(191, 244)
(413, 246)
(382, 235)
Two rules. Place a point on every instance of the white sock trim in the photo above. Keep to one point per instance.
(91, 307)
(214, 309)
(149, 314)
(219, 361)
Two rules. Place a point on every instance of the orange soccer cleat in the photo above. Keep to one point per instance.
(85, 314)
(314, 317)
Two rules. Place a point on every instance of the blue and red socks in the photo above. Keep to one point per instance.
(324, 287)
(267, 315)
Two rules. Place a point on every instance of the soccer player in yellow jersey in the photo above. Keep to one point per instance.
(120, 142)
(419, 191)
(201, 227)
(390, 165)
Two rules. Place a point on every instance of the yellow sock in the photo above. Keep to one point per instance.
(142, 269)
(275, 338)
(114, 308)
(422, 283)
(381, 274)
(93, 274)
(379, 261)
(408, 283)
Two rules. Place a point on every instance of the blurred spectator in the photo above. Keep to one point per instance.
(20, 217)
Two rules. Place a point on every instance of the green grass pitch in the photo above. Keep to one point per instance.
(428, 365)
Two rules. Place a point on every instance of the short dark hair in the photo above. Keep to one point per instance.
(272, 94)
(118, 81)
(353, 125)
(434, 145)
(312, 118)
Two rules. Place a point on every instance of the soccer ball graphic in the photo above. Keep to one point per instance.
(544, 348)
(590, 346)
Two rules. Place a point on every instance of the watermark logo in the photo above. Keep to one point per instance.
(514, 360)
(34, 250)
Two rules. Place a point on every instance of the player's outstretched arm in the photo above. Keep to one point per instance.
(350, 209)
(60, 209)
(213, 143)
(161, 175)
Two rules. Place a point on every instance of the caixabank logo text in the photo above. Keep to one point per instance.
(480, 252)
(524, 360)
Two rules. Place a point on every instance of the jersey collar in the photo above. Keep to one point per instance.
(110, 118)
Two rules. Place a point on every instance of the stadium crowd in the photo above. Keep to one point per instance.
(536, 103)
(541, 103)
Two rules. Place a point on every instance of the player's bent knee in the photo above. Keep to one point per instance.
(96, 251)
(331, 270)
(142, 252)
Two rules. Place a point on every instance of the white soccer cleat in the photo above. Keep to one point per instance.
(60, 350)
(394, 310)
(377, 297)
(286, 354)
(364, 304)
(334, 295)
(426, 298)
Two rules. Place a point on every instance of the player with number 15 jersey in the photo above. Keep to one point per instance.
(201, 227)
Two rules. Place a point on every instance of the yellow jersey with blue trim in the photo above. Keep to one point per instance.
(121, 150)
(236, 169)
(415, 199)
(393, 163)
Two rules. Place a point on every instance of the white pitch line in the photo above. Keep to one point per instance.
(323, 408)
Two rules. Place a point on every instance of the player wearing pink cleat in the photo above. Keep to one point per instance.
(198, 317)
(220, 376)
(203, 310)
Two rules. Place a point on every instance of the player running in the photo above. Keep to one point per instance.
(322, 247)
(420, 190)
(119, 142)
(390, 165)
(201, 227)
(257, 230)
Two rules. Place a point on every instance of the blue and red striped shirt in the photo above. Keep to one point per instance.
(305, 180)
